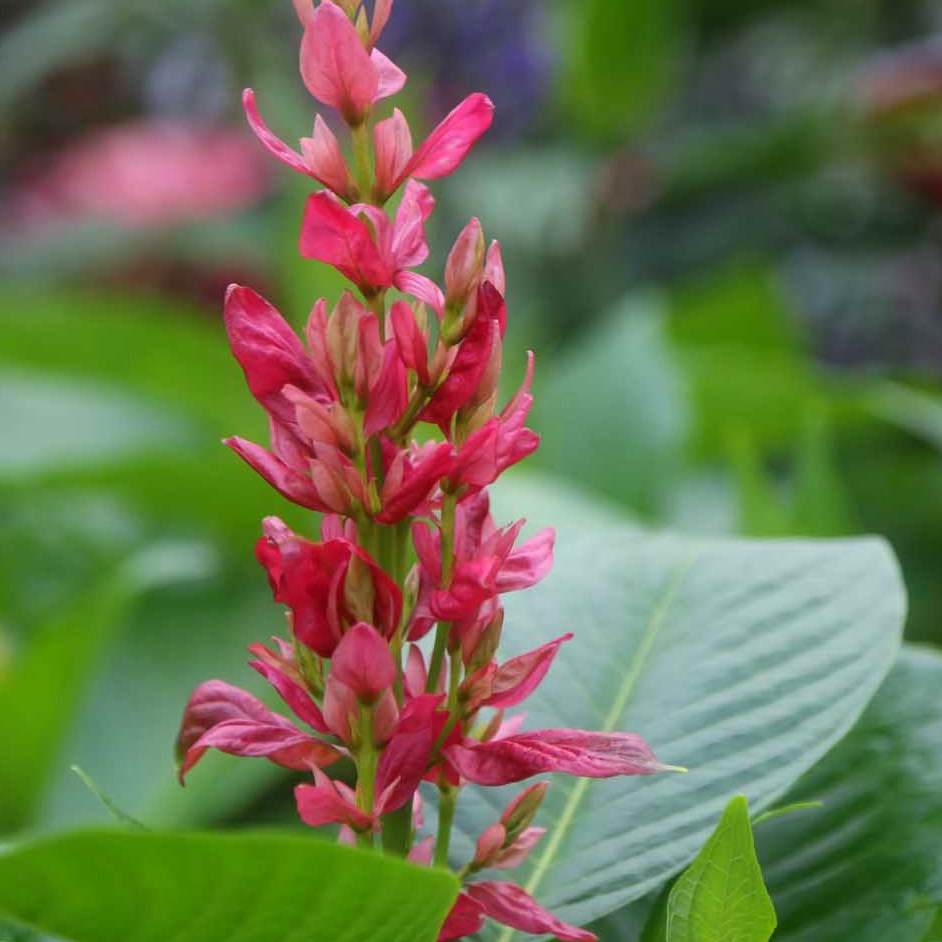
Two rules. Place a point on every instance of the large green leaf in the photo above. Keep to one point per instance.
(867, 866)
(744, 661)
(720, 897)
(113, 886)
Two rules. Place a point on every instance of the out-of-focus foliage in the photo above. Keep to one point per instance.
(721, 225)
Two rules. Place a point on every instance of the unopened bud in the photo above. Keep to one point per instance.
(519, 814)
(310, 665)
(410, 588)
(487, 387)
(359, 590)
(493, 727)
(362, 23)
(464, 265)
(487, 643)
(489, 846)
(478, 687)
(343, 335)
(494, 268)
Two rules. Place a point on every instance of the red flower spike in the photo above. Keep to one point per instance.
(363, 662)
(494, 269)
(423, 852)
(472, 360)
(389, 395)
(325, 159)
(382, 9)
(521, 810)
(573, 751)
(512, 906)
(220, 716)
(529, 563)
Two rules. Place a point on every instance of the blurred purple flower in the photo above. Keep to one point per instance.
(495, 46)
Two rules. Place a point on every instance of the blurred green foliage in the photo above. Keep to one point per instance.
(726, 264)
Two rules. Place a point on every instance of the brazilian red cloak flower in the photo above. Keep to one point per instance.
(385, 418)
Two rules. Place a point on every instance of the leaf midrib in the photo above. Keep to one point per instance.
(576, 796)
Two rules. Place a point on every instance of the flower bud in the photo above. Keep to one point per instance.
(464, 265)
(489, 846)
(363, 662)
(477, 687)
(519, 813)
(494, 268)
(487, 643)
(343, 337)
(360, 590)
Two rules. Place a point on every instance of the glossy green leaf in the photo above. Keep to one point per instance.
(867, 865)
(720, 897)
(744, 661)
(111, 886)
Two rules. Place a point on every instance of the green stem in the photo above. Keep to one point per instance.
(366, 770)
(361, 159)
(447, 799)
(449, 504)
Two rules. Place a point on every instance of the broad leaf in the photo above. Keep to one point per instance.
(110, 886)
(867, 866)
(720, 897)
(744, 661)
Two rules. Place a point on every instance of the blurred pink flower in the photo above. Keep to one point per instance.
(146, 173)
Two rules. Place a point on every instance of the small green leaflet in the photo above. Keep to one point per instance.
(721, 897)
